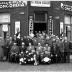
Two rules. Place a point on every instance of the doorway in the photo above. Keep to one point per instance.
(39, 27)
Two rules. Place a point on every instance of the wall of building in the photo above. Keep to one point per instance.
(23, 18)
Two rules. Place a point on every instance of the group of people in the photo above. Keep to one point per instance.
(41, 45)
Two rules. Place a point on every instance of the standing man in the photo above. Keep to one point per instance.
(66, 50)
(61, 48)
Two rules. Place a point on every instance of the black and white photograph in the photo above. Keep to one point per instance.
(35, 36)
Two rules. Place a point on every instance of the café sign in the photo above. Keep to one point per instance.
(40, 3)
(66, 7)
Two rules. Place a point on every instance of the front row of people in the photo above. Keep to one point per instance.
(55, 53)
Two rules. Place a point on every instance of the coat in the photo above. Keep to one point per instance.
(66, 46)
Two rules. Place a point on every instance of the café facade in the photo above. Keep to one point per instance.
(54, 17)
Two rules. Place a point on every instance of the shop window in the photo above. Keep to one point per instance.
(67, 19)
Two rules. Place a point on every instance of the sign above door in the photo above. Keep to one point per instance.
(40, 3)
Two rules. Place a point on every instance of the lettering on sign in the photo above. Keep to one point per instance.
(30, 24)
(50, 25)
(66, 7)
(40, 3)
(9, 4)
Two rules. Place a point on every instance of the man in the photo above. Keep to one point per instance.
(47, 49)
(31, 53)
(22, 54)
(66, 50)
(39, 52)
(54, 52)
(6, 47)
(23, 47)
(34, 41)
(28, 40)
(46, 57)
(16, 40)
(61, 48)
(14, 53)
(31, 48)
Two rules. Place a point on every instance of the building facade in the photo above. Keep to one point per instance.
(63, 11)
(54, 17)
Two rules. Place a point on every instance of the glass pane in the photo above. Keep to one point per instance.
(67, 20)
(39, 16)
(71, 19)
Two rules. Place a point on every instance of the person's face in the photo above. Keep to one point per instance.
(46, 44)
(29, 44)
(14, 36)
(39, 31)
(7, 36)
(14, 44)
(39, 44)
(11, 38)
(22, 39)
(65, 39)
(22, 44)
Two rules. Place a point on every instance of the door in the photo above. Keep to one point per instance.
(39, 27)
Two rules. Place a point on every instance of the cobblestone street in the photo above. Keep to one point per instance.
(8, 67)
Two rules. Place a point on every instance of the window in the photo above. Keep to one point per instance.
(68, 19)
(5, 18)
(71, 19)
(40, 16)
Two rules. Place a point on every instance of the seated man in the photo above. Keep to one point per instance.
(46, 56)
(23, 47)
(47, 50)
(14, 53)
(22, 55)
(30, 53)
(31, 48)
(39, 52)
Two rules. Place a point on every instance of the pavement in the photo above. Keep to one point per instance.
(12, 67)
